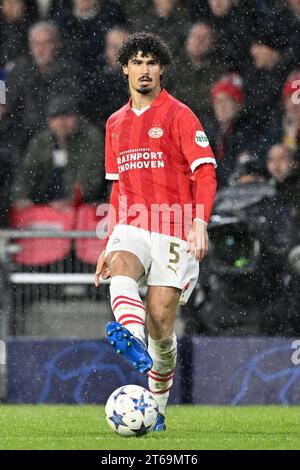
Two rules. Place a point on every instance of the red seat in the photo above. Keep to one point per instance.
(42, 251)
(88, 249)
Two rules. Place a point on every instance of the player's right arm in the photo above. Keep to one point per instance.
(112, 174)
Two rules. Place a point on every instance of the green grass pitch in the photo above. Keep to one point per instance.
(189, 428)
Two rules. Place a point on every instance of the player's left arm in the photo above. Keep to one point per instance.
(205, 191)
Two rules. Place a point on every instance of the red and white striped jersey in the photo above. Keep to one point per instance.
(153, 155)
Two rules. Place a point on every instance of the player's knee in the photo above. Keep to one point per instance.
(124, 264)
(118, 264)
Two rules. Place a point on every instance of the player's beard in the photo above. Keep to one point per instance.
(144, 90)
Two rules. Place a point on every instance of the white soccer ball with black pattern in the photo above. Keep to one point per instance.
(131, 411)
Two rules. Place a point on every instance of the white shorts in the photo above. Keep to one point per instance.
(164, 258)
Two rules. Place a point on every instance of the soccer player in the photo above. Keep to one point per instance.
(163, 169)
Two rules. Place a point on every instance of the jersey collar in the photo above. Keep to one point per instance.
(159, 100)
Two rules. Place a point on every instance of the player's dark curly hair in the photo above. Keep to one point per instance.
(148, 44)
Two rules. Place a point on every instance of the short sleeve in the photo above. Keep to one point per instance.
(194, 142)
(111, 167)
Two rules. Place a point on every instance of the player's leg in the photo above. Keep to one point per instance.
(161, 305)
(127, 334)
(174, 267)
(127, 306)
(127, 258)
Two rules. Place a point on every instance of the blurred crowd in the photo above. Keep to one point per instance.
(236, 63)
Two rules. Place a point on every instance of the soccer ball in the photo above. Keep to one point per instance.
(131, 411)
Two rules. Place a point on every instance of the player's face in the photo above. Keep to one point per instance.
(144, 73)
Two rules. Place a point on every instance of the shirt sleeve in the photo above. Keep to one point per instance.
(111, 167)
(194, 142)
(206, 186)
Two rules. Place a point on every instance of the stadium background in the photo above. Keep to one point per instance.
(237, 69)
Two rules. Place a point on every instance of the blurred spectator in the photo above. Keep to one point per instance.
(166, 18)
(83, 29)
(64, 163)
(107, 89)
(294, 6)
(36, 78)
(231, 135)
(293, 24)
(231, 27)
(15, 19)
(264, 78)
(220, 8)
(283, 22)
(57, 7)
(199, 70)
(249, 168)
(283, 167)
(133, 9)
(291, 117)
(8, 163)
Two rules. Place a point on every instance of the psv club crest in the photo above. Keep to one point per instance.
(155, 132)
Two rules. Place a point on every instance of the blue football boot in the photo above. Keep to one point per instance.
(128, 346)
(160, 424)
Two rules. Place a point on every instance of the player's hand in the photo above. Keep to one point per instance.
(101, 269)
(198, 240)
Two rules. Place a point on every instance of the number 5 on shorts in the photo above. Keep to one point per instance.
(173, 252)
